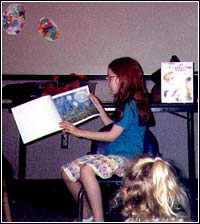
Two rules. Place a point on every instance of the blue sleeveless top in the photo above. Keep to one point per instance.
(130, 142)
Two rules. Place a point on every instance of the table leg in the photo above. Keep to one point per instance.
(191, 150)
(22, 160)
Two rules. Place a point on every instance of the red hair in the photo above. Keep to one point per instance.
(131, 86)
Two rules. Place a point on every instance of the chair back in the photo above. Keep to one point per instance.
(151, 146)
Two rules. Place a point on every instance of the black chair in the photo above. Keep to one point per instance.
(151, 148)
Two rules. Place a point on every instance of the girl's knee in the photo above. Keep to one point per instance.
(64, 175)
(86, 171)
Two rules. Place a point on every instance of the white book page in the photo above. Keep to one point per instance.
(36, 118)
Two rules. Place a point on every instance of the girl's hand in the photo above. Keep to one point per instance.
(103, 115)
(97, 103)
(70, 128)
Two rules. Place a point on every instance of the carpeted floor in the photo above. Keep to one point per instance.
(50, 201)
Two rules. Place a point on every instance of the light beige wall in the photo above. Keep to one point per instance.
(94, 33)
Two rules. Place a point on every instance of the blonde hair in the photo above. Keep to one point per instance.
(152, 192)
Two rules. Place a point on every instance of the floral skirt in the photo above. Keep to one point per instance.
(103, 166)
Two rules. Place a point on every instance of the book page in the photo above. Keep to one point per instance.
(75, 105)
(36, 118)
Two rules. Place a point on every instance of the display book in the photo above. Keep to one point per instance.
(177, 82)
(41, 116)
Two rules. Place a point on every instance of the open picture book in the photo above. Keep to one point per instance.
(41, 116)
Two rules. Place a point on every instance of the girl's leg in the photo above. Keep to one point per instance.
(74, 188)
(92, 188)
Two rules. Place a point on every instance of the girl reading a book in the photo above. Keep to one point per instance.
(132, 115)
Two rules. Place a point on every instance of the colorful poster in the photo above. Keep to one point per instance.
(13, 19)
(177, 82)
(48, 29)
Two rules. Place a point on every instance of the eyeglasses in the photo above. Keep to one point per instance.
(109, 77)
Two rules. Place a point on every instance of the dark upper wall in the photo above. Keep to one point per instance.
(94, 33)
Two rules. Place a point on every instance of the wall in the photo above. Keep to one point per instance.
(94, 33)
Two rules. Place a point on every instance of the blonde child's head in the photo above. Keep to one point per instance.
(152, 192)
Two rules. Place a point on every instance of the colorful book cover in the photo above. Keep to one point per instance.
(177, 82)
(75, 105)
